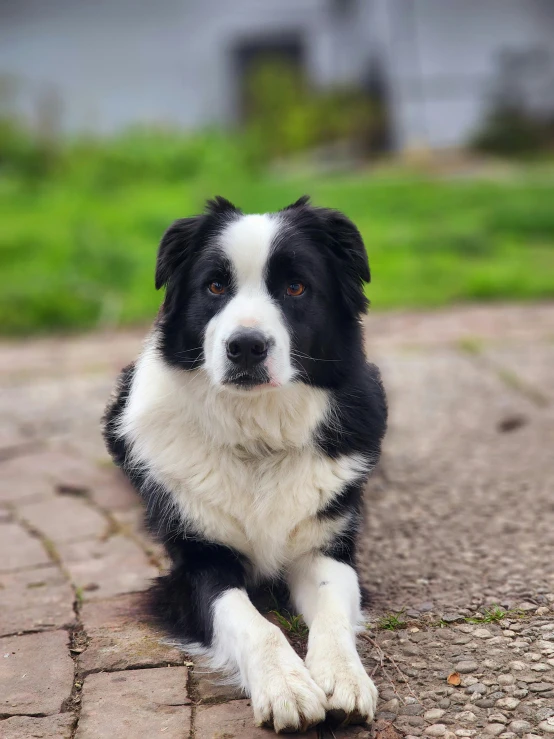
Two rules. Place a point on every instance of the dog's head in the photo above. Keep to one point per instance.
(259, 301)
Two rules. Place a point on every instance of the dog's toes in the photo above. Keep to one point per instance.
(284, 695)
(351, 693)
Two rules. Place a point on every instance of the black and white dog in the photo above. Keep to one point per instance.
(249, 425)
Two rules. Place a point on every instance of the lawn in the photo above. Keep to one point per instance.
(77, 250)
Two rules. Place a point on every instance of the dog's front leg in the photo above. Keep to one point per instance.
(283, 692)
(327, 594)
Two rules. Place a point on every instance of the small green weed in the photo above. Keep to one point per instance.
(470, 345)
(513, 381)
(392, 621)
(490, 615)
(51, 550)
(292, 624)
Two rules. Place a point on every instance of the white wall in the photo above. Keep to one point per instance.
(443, 59)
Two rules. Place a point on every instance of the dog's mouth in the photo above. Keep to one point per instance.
(248, 380)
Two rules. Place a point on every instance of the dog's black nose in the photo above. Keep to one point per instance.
(247, 348)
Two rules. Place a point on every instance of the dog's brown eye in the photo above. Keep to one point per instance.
(295, 289)
(217, 288)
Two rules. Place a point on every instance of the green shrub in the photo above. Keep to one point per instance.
(285, 116)
(513, 132)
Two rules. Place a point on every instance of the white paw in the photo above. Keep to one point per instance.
(284, 694)
(335, 666)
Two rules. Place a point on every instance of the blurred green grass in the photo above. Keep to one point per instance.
(79, 234)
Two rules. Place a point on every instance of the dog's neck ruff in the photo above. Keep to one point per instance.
(255, 423)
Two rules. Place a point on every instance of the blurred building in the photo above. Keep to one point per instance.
(104, 64)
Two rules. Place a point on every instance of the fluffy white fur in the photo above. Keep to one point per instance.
(282, 690)
(247, 243)
(327, 593)
(210, 449)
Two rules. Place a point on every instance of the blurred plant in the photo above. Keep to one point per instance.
(32, 155)
(284, 116)
(511, 131)
(520, 121)
(147, 154)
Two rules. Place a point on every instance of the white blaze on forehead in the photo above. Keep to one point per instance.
(247, 243)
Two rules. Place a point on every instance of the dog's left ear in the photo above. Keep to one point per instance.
(174, 247)
(348, 249)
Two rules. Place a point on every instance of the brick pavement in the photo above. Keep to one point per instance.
(460, 516)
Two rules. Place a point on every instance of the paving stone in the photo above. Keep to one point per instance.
(120, 636)
(506, 679)
(518, 665)
(494, 729)
(135, 704)
(64, 518)
(380, 730)
(19, 550)
(467, 717)
(36, 673)
(450, 618)
(106, 568)
(526, 607)
(39, 474)
(5, 516)
(414, 709)
(113, 491)
(233, 720)
(520, 727)
(132, 523)
(466, 666)
(540, 667)
(34, 600)
(497, 718)
(386, 716)
(435, 730)
(508, 703)
(212, 689)
(547, 727)
(49, 727)
(434, 714)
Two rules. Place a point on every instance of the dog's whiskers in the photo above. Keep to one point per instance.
(313, 359)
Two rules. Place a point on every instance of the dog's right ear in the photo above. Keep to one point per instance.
(174, 247)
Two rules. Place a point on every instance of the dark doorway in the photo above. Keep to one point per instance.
(280, 51)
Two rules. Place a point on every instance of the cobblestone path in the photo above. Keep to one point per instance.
(458, 553)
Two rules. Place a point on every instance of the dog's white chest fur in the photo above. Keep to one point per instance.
(242, 470)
